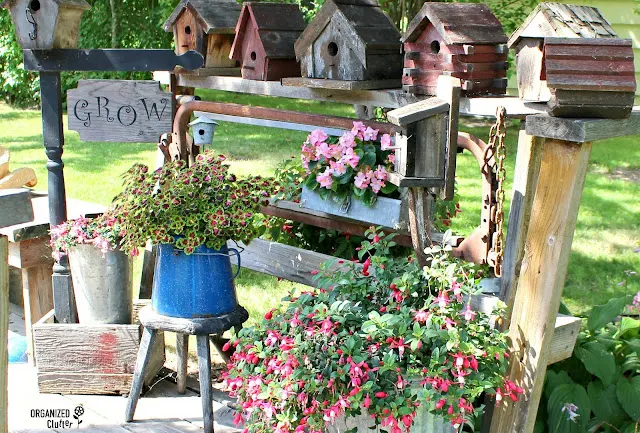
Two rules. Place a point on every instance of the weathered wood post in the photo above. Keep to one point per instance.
(552, 161)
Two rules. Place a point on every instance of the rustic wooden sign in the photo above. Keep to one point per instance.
(119, 111)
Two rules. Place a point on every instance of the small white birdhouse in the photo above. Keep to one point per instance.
(46, 24)
(203, 129)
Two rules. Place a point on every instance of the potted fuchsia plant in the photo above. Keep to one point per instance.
(380, 343)
(349, 175)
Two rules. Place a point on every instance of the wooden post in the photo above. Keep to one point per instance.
(546, 253)
(4, 330)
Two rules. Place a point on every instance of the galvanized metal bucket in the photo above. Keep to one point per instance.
(102, 285)
(196, 285)
(424, 422)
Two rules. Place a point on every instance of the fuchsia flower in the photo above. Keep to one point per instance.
(469, 314)
(421, 316)
(385, 142)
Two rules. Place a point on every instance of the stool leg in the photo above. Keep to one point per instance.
(204, 369)
(144, 354)
(182, 350)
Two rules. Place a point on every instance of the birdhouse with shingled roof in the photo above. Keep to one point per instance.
(206, 26)
(463, 40)
(46, 24)
(551, 20)
(265, 34)
(350, 40)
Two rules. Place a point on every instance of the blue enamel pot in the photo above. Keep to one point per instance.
(196, 285)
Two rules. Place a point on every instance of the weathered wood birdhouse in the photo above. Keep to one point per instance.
(463, 40)
(421, 143)
(551, 20)
(589, 77)
(351, 40)
(206, 26)
(265, 34)
(46, 24)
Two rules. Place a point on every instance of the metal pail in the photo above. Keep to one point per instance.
(196, 285)
(102, 285)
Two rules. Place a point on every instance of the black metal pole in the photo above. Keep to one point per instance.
(53, 135)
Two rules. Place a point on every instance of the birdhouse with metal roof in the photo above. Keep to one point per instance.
(551, 20)
(206, 26)
(263, 44)
(203, 129)
(463, 40)
(351, 40)
(46, 24)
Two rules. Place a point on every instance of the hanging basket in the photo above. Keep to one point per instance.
(198, 285)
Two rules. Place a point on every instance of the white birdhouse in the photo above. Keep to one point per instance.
(202, 129)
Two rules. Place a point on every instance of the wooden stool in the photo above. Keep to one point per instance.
(201, 328)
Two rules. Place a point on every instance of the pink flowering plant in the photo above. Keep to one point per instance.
(103, 232)
(379, 337)
(358, 163)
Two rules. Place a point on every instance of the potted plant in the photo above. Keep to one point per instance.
(101, 271)
(349, 175)
(383, 341)
(191, 212)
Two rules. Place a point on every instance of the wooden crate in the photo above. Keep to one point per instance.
(90, 359)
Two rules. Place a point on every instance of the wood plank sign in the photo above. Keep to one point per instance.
(119, 111)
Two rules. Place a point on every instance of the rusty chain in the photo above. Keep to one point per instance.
(494, 157)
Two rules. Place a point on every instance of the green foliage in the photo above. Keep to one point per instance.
(598, 388)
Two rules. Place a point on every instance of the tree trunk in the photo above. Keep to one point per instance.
(114, 24)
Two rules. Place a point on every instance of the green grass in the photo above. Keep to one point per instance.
(607, 232)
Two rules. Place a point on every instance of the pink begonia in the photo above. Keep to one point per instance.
(347, 140)
(385, 142)
(361, 181)
(376, 184)
(358, 130)
(392, 159)
(317, 136)
(325, 179)
(350, 157)
(381, 173)
(338, 168)
(323, 149)
(370, 134)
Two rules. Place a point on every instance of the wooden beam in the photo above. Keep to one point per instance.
(542, 276)
(4, 330)
(448, 89)
(16, 207)
(582, 130)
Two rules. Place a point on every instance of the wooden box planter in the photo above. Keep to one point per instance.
(463, 40)
(206, 26)
(351, 40)
(551, 20)
(89, 359)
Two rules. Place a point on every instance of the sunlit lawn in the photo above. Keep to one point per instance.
(607, 232)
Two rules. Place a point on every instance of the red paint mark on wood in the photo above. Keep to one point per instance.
(106, 353)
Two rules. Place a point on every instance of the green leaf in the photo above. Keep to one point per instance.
(555, 379)
(558, 420)
(634, 345)
(628, 324)
(597, 361)
(343, 178)
(603, 314)
(628, 392)
(630, 428)
(604, 403)
(388, 188)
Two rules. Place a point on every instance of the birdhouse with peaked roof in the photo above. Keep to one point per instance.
(263, 44)
(351, 40)
(46, 24)
(463, 40)
(206, 26)
(203, 129)
(551, 20)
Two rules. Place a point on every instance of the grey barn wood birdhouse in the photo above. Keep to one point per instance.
(421, 143)
(557, 21)
(206, 26)
(46, 24)
(203, 129)
(350, 40)
(463, 40)
(265, 34)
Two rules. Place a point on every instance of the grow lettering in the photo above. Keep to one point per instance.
(124, 114)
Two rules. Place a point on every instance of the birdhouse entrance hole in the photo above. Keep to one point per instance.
(187, 30)
(253, 55)
(332, 48)
(201, 131)
(435, 47)
(34, 5)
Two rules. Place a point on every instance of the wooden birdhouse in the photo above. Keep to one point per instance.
(589, 77)
(47, 24)
(421, 143)
(265, 34)
(206, 26)
(351, 40)
(203, 129)
(551, 20)
(463, 40)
